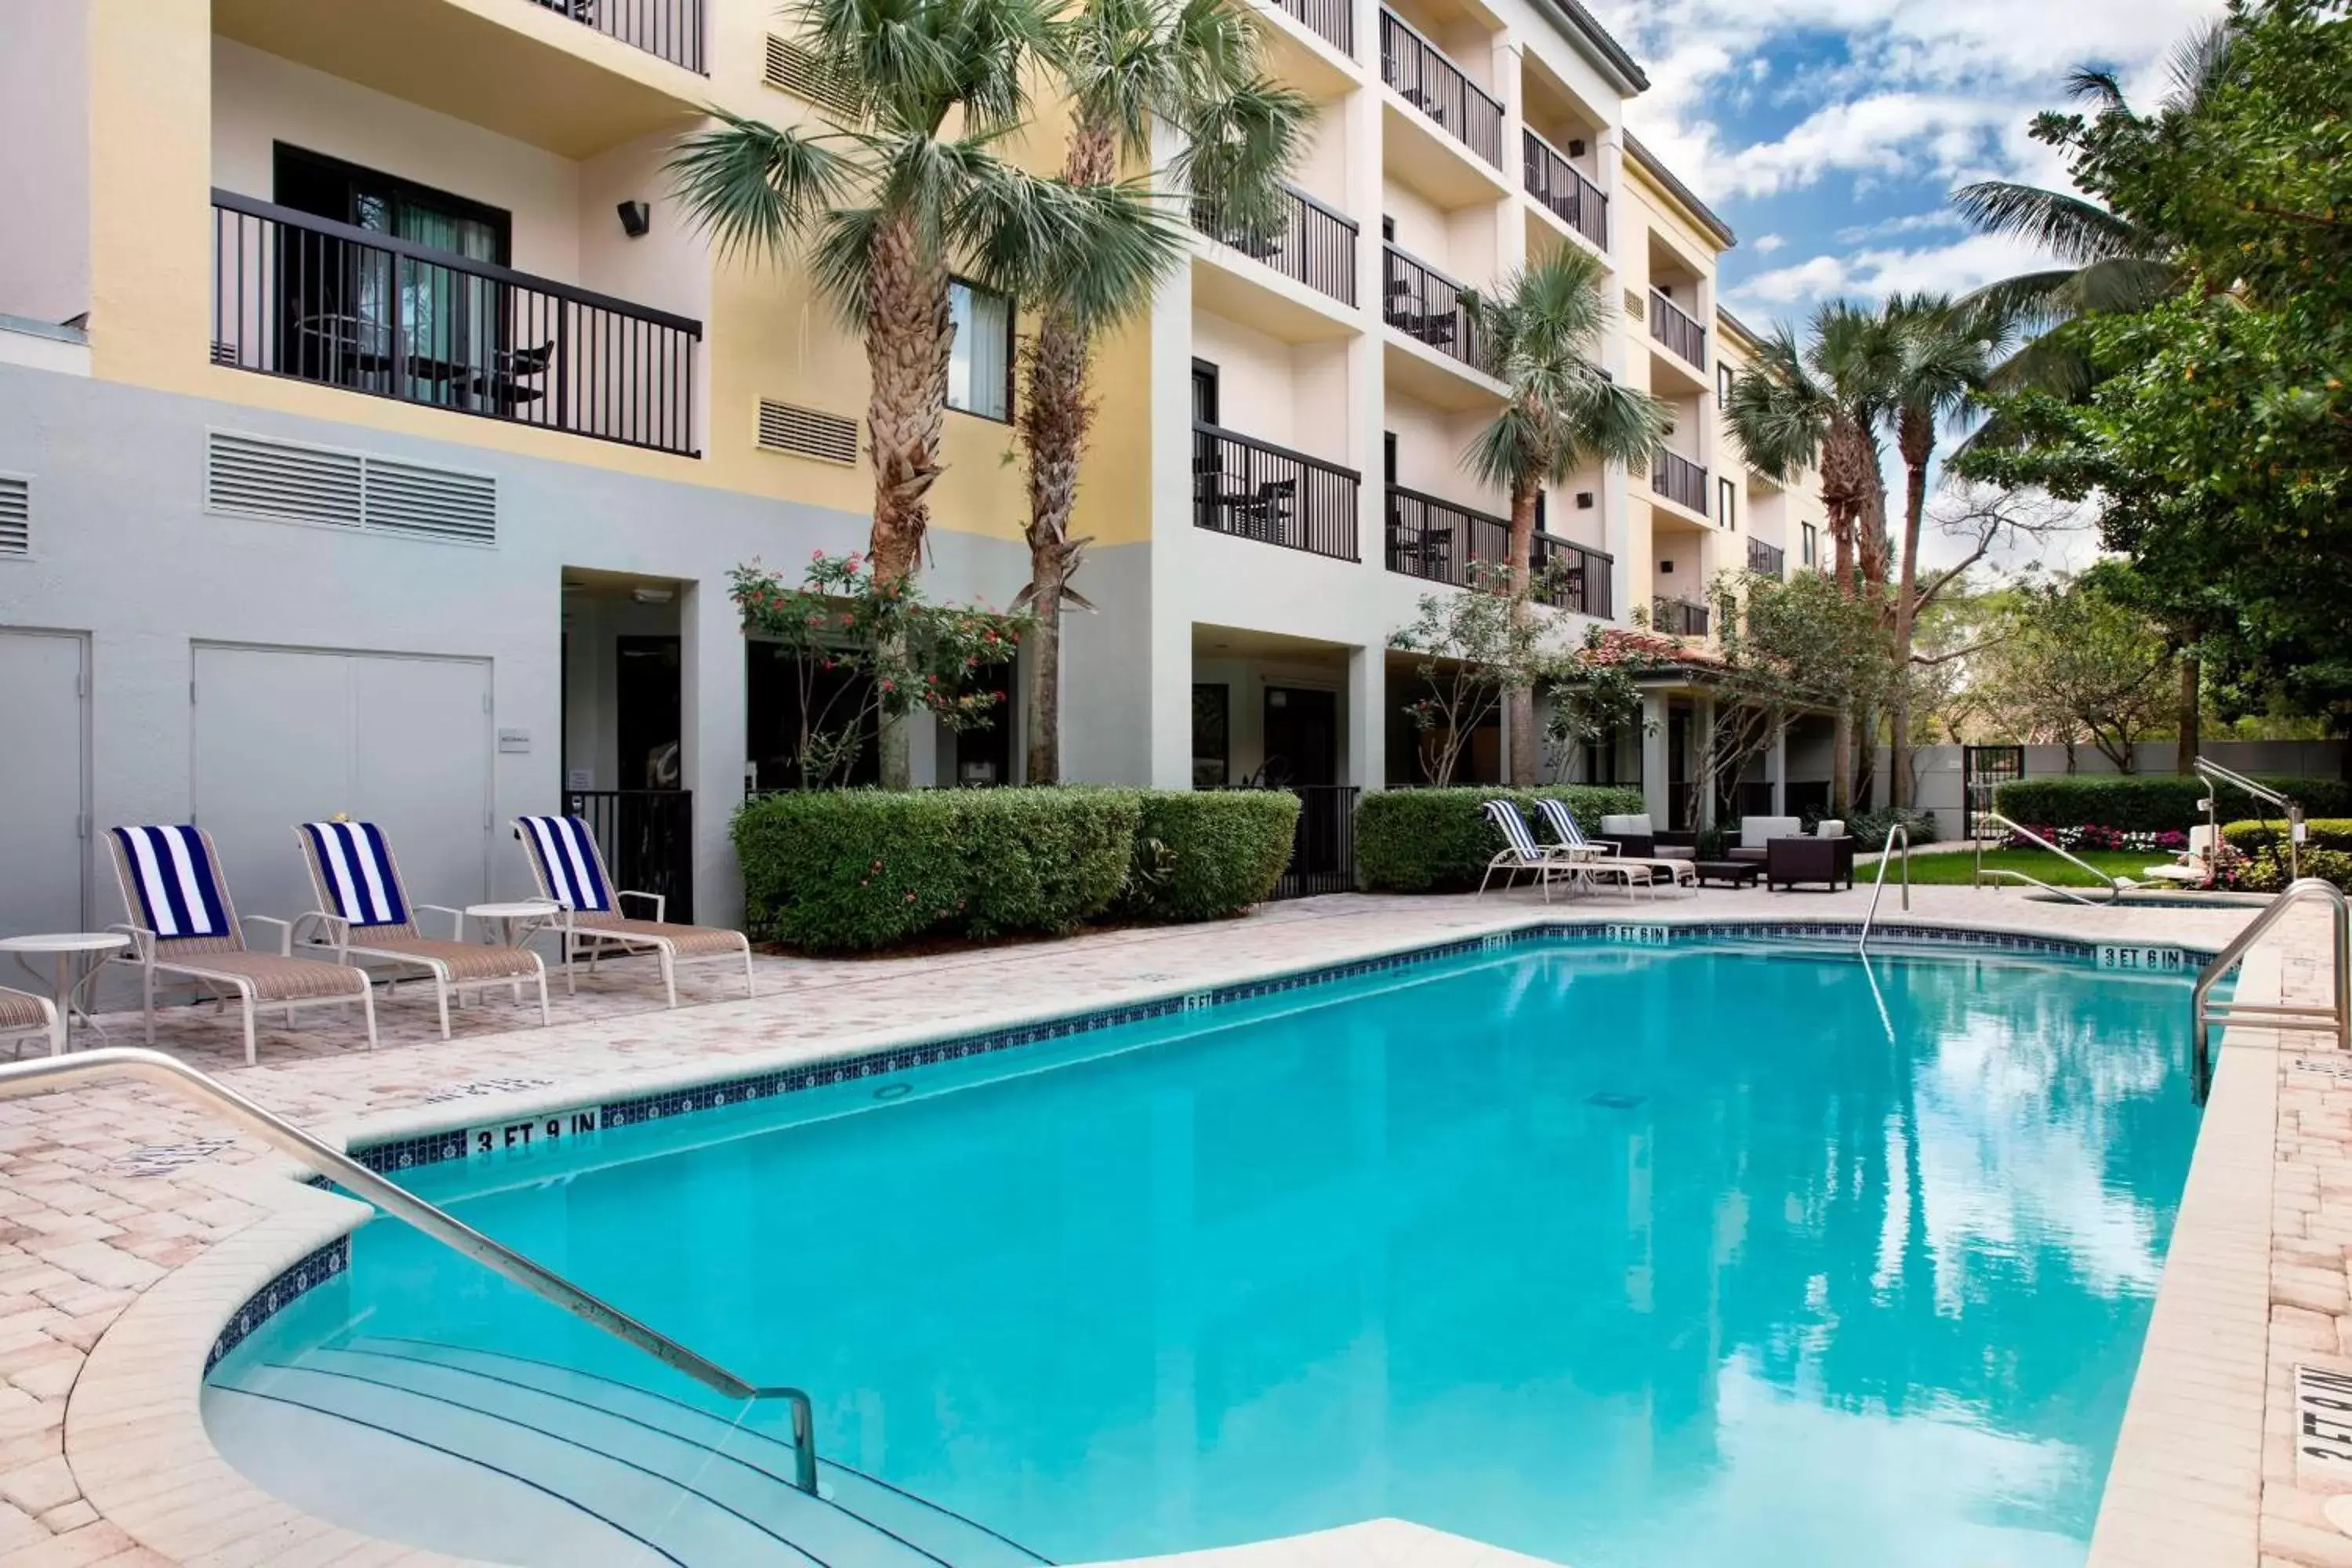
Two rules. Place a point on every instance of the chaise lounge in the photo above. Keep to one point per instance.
(25, 1017)
(569, 870)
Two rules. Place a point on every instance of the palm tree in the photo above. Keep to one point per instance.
(2106, 263)
(1562, 412)
(906, 185)
(1941, 358)
(1820, 405)
(1130, 68)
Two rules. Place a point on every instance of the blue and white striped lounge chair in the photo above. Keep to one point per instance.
(183, 925)
(1682, 873)
(365, 912)
(571, 873)
(25, 1017)
(1521, 852)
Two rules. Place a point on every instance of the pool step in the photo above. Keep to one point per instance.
(659, 1480)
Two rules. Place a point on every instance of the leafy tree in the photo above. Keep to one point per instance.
(908, 184)
(2078, 662)
(1131, 68)
(1537, 334)
(2218, 433)
(865, 650)
(1476, 648)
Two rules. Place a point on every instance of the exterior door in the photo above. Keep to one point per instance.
(283, 736)
(44, 856)
(1302, 736)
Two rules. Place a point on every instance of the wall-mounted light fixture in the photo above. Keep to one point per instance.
(1584, 500)
(1576, 147)
(636, 218)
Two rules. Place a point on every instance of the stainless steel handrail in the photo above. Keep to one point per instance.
(2214, 772)
(2336, 1018)
(1878, 883)
(48, 1073)
(2113, 885)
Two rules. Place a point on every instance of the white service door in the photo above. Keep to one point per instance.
(285, 736)
(42, 852)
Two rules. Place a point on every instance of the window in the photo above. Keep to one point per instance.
(1387, 456)
(1810, 540)
(1387, 228)
(1723, 386)
(1212, 745)
(979, 367)
(1726, 504)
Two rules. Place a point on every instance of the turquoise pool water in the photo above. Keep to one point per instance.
(1613, 1255)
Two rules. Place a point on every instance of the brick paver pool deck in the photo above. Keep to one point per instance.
(131, 1225)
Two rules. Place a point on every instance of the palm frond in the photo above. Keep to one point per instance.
(2097, 83)
(1779, 413)
(1098, 252)
(841, 262)
(1238, 147)
(2063, 224)
(2195, 63)
(753, 187)
(1538, 333)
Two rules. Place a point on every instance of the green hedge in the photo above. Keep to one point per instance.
(2149, 802)
(1202, 855)
(1423, 840)
(2327, 852)
(862, 870)
(1870, 828)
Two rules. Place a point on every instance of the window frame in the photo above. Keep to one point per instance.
(1726, 503)
(1810, 539)
(1011, 347)
(1723, 376)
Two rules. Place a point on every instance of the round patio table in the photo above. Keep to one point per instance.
(518, 920)
(86, 950)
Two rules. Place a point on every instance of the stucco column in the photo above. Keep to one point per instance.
(1780, 766)
(711, 744)
(1702, 744)
(1654, 787)
(1367, 709)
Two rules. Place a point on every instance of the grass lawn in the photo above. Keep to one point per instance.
(1955, 868)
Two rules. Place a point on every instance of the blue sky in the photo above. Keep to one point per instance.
(1829, 132)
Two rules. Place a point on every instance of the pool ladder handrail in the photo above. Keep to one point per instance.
(45, 1074)
(2113, 885)
(1878, 883)
(2336, 1018)
(2214, 772)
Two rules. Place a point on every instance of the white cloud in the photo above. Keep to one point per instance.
(1954, 269)
(1766, 243)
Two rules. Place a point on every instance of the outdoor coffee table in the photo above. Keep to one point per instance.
(518, 921)
(1730, 873)
(72, 951)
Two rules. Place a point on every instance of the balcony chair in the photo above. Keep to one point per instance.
(25, 1017)
(365, 912)
(570, 871)
(183, 924)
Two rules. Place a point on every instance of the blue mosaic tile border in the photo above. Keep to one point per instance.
(281, 1293)
(433, 1148)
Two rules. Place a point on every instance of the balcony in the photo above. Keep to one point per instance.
(1315, 245)
(1767, 560)
(1680, 480)
(668, 29)
(1253, 489)
(1446, 542)
(1426, 305)
(1681, 336)
(1563, 190)
(307, 299)
(1333, 21)
(1678, 618)
(1433, 84)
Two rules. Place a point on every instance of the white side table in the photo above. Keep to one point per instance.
(518, 921)
(86, 951)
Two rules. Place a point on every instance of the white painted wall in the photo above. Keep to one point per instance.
(44, 159)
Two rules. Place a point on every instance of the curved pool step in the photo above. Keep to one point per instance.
(937, 1533)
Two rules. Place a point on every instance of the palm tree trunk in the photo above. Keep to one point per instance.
(907, 340)
(1917, 439)
(1053, 426)
(1519, 702)
(2188, 717)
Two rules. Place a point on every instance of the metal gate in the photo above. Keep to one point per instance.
(1984, 769)
(647, 837)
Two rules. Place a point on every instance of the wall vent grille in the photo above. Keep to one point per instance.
(16, 515)
(807, 433)
(290, 481)
(791, 69)
(1637, 307)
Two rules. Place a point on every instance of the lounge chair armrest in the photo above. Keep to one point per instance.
(338, 929)
(285, 931)
(457, 919)
(660, 902)
(142, 942)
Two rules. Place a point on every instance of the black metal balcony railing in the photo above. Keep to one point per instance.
(1561, 187)
(669, 28)
(1316, 245)
(1334, 21)
(1425, 305)
(1433, 84)
(1253, 489)
(299, 296)
(1446, 542)
(1767, 560)
(1680, 480)
(1678, 332)
(1678, 618)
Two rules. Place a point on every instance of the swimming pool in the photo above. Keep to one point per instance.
(1612, 1255)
